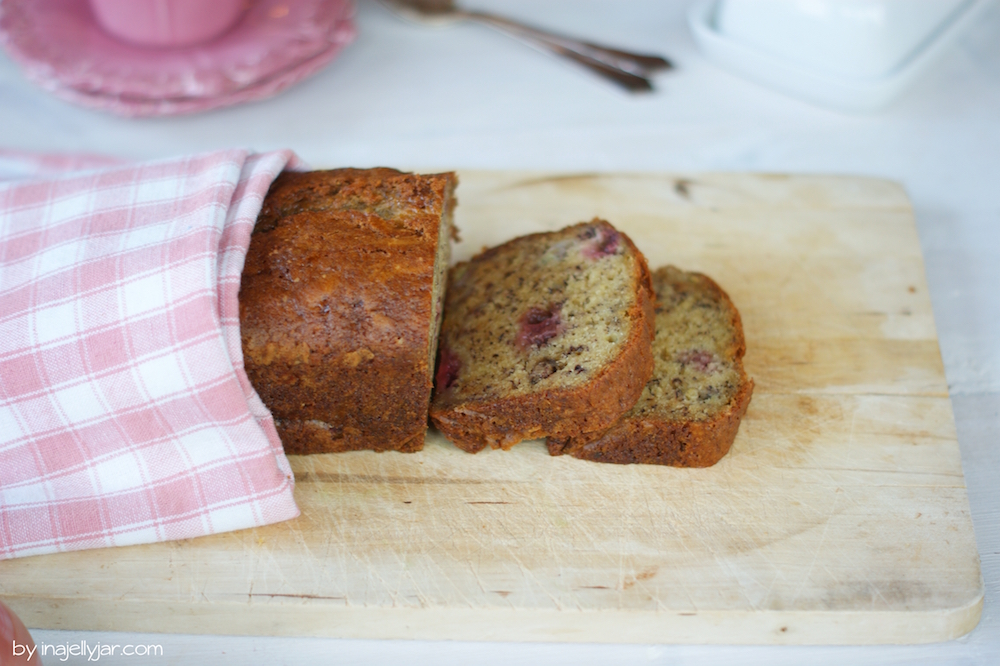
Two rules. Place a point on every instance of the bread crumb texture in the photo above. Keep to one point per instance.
(697, 351)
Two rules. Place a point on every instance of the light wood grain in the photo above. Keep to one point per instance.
(839, 516)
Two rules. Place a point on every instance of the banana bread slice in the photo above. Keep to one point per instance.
(547, 335)
(340, 306)
(690, 410)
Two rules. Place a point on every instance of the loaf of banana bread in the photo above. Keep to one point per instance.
(340, 306)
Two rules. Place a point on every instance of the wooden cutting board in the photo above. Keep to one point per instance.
(839, 516)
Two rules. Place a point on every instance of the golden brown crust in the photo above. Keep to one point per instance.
(654, 437)
(662, 442)
(501, 422)
(336, 306)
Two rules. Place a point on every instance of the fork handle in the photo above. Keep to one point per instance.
(638, 64)
(628, 80)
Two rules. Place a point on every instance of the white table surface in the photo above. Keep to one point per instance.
(464, 97)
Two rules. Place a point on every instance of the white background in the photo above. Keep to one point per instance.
(465, 97)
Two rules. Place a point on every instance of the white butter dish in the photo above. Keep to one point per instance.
(850, 55)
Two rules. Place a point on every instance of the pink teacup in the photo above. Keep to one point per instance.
(167, 22)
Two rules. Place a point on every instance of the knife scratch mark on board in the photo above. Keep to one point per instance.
(557, 178)
(298, 596)
(334, 477)
(818, 549)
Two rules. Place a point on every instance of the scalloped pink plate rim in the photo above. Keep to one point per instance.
(60, 46)
(139, 108)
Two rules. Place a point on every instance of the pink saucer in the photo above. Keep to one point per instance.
(135, 107)
(277, 43)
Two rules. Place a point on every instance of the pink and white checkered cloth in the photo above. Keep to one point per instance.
(125, 413)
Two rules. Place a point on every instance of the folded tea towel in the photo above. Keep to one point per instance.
(125, 413)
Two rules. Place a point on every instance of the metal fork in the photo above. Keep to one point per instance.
(626, 69)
